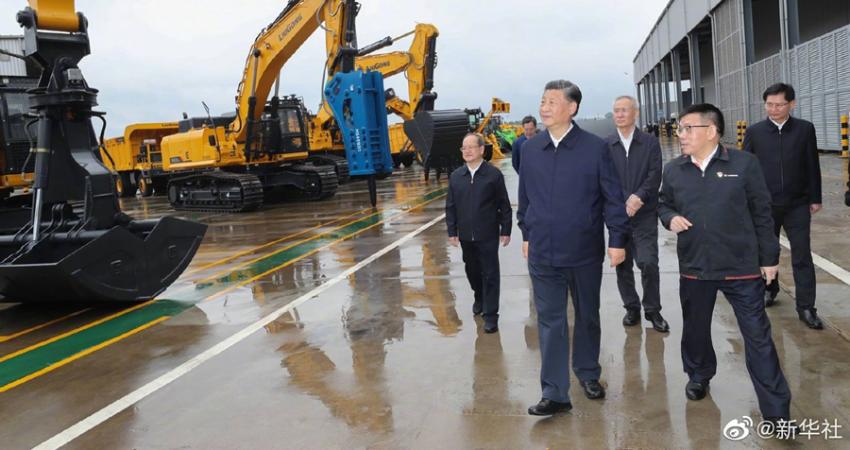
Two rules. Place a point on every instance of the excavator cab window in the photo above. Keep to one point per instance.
(292, 132)
(14, 104)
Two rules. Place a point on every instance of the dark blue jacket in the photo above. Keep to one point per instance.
(515, 149)
(566, 194)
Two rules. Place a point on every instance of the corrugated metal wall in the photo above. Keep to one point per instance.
(12, 67)
(759, 76)
(729, 64)
(820, 73)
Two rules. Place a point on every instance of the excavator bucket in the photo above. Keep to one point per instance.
(73, 243)
(437, 136)
(133, 262)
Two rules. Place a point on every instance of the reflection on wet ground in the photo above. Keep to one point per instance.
(392, 357)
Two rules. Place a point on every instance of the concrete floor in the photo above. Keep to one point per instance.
(392, 357)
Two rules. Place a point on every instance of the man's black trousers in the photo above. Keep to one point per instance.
(698, 357)
(481, 259)
(641, 250)
(797, 222)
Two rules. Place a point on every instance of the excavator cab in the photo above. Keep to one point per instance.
(283, 127)
(72, 242)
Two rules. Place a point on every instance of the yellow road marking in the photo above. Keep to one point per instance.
(109, 342)
(83, 353)
(294, 244)
(76, 330)
(314, 251)
(276, 241)
(38, 327)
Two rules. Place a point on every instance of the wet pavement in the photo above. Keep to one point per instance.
(391, 356)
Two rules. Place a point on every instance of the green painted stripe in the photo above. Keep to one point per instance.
(39, 358)
(47, 355)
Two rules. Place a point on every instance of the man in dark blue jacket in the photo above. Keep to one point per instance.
(529, 126)
(478, 218)
(568, 191)
(787, 149)
(637, 157)
(717, 203)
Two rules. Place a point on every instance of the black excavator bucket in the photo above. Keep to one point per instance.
(437, 136)
(74, 243)
(130, 262)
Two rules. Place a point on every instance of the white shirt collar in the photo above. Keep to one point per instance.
(780, 125)
(704, 165)
(627, 142)
(473, 170)
(557, 141)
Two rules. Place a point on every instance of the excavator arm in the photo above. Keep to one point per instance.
(277, 43)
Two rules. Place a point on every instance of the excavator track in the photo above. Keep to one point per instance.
(321, 182)
(340, 164)
(216, 191)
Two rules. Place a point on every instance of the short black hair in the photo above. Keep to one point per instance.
(780, 88)
(708, 112)
(529, 119)
(569, 89)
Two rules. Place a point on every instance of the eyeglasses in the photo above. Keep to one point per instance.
(473, 147)
(776, 105)
(687, 129)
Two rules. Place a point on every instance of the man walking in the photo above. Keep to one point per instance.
(637, 157)
(568, 190)
(478, 218)
(787, 150)
(529, 127)
(717, 202)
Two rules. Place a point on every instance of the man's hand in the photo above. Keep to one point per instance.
(525, 249)
(617, 256)
(815, 207)
(680, 224)
(633, 204)
(455, 241)
(505, 240)
(769, 273)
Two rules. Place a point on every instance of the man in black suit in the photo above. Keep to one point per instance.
(787, 149)
(637, 158)
(478, 218)
(718, 204)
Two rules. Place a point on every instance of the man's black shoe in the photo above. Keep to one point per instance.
(810, 318)
(477, 308)
(491, 328)
(769, 299)
(695, 390)
(631, 318)
(592, 389)
(658, 321)
(548, 407)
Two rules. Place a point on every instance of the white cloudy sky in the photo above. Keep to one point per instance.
(153, 59)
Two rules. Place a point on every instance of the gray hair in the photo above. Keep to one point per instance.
(571, 91)
(629, 98)
(481, 141)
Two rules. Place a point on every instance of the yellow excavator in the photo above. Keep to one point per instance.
(229, 163)
(69, 239)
